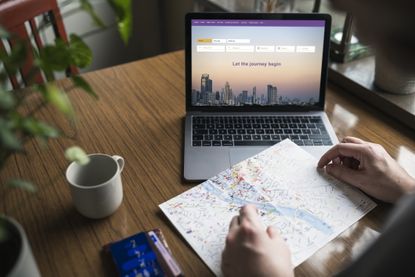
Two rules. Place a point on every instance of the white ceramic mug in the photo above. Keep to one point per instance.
(96, 187)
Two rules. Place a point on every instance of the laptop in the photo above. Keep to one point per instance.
(253, 80)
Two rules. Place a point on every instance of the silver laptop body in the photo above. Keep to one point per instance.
(261, 75)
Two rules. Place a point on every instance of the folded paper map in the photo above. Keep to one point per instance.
(309, 207)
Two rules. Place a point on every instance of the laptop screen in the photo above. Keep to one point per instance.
(256, 62)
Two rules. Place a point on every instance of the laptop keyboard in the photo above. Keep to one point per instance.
(208, 131)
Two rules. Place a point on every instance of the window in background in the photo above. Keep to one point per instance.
(158, 27)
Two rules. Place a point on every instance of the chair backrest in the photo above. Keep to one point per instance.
(15, 15)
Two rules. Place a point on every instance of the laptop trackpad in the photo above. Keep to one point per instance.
(202, 165)
(239, 154)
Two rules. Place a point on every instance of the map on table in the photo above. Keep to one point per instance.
(309, 207)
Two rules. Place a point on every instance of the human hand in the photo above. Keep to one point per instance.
(368, 167)
(253, 250)
(387, 25)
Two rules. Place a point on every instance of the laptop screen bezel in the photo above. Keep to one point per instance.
(319, 106)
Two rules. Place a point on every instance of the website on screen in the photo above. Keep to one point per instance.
(256, 62)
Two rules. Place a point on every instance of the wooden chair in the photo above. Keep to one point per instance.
(15, 15)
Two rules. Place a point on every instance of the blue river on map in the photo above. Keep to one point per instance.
(280, 210)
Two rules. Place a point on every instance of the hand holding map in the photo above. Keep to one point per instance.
(309, 207)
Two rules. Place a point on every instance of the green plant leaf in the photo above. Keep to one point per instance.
(54, 57)
(7, 99)
(122, 9)
(14, 119)
(39, 128)
(8, 138)
(76, 154)
(48, 131)
(58, 98)
(15, 59)
(80, 53)
(80, 82)
(3, 77)
(87, 7)
(4, 33)
(23, 184)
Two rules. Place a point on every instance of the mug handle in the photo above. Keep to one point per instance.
(120, 161)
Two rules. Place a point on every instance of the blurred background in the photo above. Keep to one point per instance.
(158, 28)
(159, 24)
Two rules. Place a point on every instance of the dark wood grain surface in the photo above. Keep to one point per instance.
(139, 116)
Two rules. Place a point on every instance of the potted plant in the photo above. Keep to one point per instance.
(16, 126)
(15, 252)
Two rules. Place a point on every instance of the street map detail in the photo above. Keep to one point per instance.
(309, 207)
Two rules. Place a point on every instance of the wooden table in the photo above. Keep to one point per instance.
(139, 116)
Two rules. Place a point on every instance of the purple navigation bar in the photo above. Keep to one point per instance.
(257, 22)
